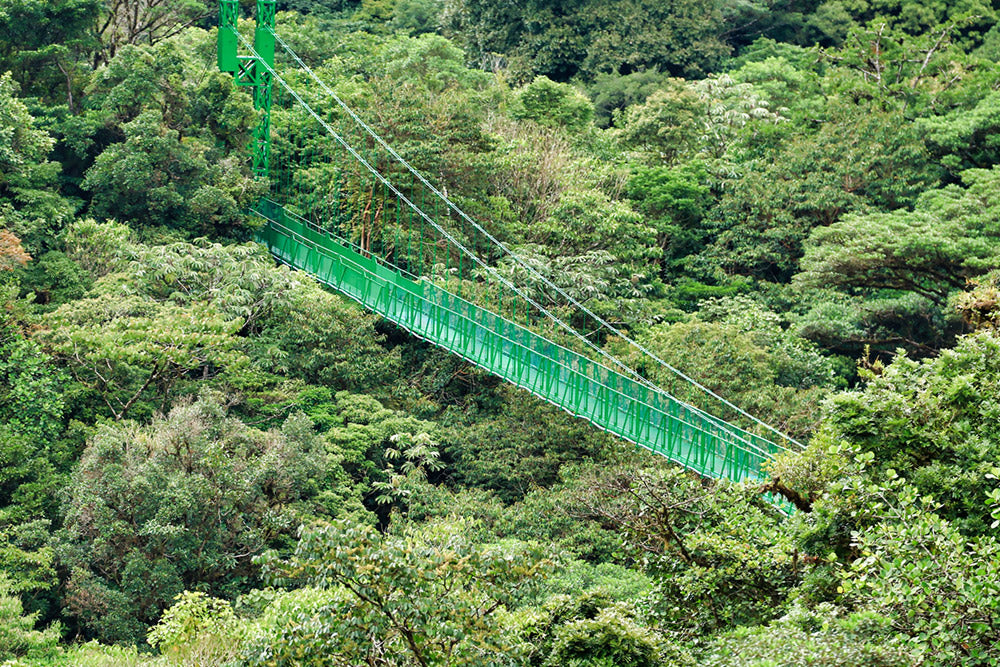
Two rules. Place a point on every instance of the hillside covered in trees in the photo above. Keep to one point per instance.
(208, 459)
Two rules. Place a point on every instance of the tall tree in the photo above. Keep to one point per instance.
(136, 22)
(30, 204)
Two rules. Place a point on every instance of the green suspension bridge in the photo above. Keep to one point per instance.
(346, 208)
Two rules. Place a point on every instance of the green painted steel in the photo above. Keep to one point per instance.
(581, 386)
(264, 51)
(263, 36)
(227, 41)
(253, 71)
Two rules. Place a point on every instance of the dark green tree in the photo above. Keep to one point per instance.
(186, 501)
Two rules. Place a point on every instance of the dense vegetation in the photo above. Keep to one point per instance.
(207, 459)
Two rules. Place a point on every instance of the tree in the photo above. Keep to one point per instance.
(560, 40)
(966, 137)
(198, 628)
(936, 585)
(850, 164)
(12, 254)
(612, 93)
(717, 553)
(695, 118)
(910, 58)
(372, 443)
(667, 124)
(827, 635)
(418, 597)
(979, 304)
(153, 178)
(121, 349)
(589, 629)
(31, 413)
(588, 221)
(30, 204)
(18, 636)
(134, 22)
(184, 502)
(674, 200)
(554, 104)
(522, 446)
(165, 139)
(949, 237)
(930, 421)
(44, 44)
(772, 374)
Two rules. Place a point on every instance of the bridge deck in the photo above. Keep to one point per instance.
(579, 385)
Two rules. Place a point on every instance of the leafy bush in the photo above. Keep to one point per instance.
(824, 638)
(425, 595)
(18, 636)
(197, 629)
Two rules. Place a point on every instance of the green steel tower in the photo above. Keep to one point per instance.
(253, 70)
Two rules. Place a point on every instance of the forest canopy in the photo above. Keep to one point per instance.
(206, 458)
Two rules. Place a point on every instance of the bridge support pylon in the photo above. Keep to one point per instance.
(253, 71)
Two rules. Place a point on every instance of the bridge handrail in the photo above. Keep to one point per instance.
(730, 438)
(738, 431)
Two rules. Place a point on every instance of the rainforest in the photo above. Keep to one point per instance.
(789, 211)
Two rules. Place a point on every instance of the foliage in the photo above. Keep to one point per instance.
(937, 586)
(930, 250)
(965, 137)
(825, 194)
(931, 421)
(667, 124)
(189, 500)
(166, 164)
(18, 637)
(796, 361)
(154, 178)
(41, 44)
(99, 248)
(608, 639)
(695, 118)
(523, 447)
(863, 325)
(125, 22)
(94, 654)
(424, 597)
(120, 349)
(978, 303)
(612, 92)
(556, 104)
(12, 254)
(740, 351)
(675, 201)
(718, 555)
(588, 38)
(31, 401)
(591, 247)
(385, 451)
(901, 65)
(826, 636)
(853, 161)
(196, 621)
(589, 629)
(31, 206)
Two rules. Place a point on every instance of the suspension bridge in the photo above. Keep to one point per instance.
(346, 208)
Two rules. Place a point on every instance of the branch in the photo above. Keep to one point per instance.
(135, 397)
(775, 485)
